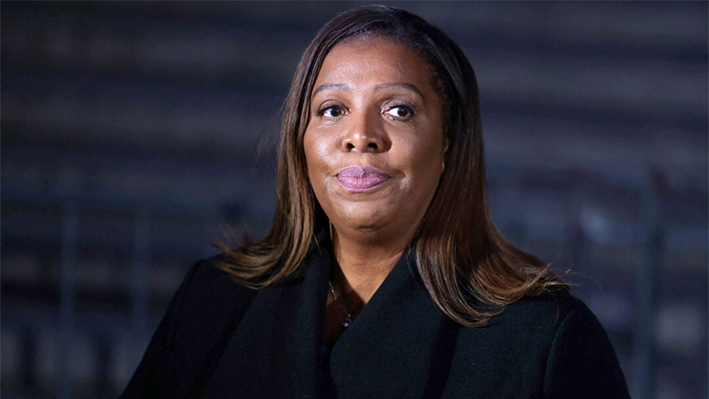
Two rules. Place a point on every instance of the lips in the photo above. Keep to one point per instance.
(359, 179)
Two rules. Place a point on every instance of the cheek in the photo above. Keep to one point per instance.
(427, 156)
(317, 154)
(311, 154)
(307, 150)
(319, 165)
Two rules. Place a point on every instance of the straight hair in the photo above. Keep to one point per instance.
(469, 269)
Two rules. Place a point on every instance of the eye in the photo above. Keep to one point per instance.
(333, 111)
(401, 112)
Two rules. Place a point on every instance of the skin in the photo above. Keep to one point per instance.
(373, 105)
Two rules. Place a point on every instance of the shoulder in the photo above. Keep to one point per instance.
(546, 311)
(209, 292)
(581, 361)
(530, 324)
(201, 315)
(206, 277)
(211, 304)
(203, 306)
(549, 323)
(551, 344)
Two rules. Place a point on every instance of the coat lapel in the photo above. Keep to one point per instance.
(297, 337)
(410, 365)
(275, 351)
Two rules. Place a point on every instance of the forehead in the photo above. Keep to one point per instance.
(374, 59)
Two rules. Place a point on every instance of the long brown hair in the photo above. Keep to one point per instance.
(466, 265)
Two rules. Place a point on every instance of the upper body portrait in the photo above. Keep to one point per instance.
(383, 274)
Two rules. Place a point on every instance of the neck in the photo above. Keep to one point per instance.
(362, 265)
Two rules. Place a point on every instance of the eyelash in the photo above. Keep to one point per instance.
(322, 111)
(409, 108)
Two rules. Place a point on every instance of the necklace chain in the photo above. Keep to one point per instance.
(348, 316)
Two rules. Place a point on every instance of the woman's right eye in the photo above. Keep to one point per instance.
(332, 111)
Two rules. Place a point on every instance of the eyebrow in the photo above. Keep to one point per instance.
(405, 86)
(330, 86)
(343, 86)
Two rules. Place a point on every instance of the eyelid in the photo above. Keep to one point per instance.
(400, 104)
(327, 106)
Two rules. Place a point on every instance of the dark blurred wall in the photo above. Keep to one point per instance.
(131, 130)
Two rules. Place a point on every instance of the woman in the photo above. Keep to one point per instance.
(382, 275)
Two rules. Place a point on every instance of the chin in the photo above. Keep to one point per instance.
(364, 223)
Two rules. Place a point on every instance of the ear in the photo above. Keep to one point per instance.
(446, 142)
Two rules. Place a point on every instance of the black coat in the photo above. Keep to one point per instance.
(221, 340)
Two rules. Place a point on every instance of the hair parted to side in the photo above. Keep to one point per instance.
(466, 265)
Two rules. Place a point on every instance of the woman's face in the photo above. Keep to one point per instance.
(374, 143)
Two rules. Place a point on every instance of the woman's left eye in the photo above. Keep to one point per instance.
(400, 112)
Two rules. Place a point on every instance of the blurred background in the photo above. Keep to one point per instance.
(131, 130)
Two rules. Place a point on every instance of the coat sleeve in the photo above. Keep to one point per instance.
(582, 363)
(149, 378)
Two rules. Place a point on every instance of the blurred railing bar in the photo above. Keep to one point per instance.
(646, 286)
(71, 202)
(67, 285)
(140, 283)
(51, 198)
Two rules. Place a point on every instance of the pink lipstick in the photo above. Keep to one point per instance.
(359, 179)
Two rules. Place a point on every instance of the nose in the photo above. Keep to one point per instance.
(365, 133)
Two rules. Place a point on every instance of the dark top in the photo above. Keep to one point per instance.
(221, 340)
